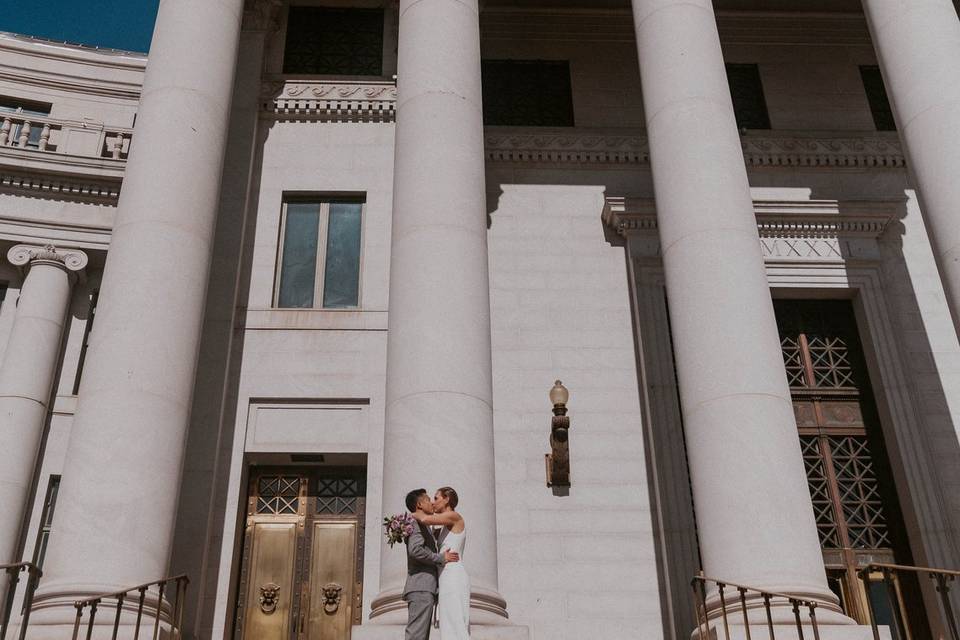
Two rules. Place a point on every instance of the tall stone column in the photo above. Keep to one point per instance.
(439, 416)
(754, 515)
(27, 376)
(917, 44)
(116, 510)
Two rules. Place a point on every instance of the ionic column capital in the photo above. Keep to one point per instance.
(68, 259)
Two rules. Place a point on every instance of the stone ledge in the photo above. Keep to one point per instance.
(477, 632)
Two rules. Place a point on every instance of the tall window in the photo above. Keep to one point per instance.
(877, 97)
(527, 93)
(749, 103)
(326, 41)
(319, 263)
(46, 521)
(24, 109)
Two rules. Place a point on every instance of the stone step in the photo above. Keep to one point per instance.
(477, 632)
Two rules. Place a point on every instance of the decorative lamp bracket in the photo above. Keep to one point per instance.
(558, 460)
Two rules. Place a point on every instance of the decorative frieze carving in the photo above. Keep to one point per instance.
(359, 101)
(611, 146)
(830, 150)
(581, 146)
(70, 259)
(790, 231)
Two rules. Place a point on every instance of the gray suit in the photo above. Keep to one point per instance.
(420, 592)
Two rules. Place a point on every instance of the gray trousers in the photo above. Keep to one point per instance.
(419, 614)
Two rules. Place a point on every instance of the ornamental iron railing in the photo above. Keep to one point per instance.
(735, 602)
(14, 573)
(891, 573)
(119, 601)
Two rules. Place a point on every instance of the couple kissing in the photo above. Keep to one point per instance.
(435, 574)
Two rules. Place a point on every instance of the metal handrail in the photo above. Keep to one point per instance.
(699, 587)
(13, 572)
(176, 619)
(942, 578)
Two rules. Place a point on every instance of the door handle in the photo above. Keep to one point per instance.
(269, 597)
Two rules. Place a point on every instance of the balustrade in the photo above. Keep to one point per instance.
(41, 133)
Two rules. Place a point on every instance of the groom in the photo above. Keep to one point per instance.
(423, 563)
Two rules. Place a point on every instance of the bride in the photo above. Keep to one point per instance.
(453, 605)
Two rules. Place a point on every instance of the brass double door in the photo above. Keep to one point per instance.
(302, 570)
(858, 515)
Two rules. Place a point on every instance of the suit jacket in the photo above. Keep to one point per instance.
(423, 561)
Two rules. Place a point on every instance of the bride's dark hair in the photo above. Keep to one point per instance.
(451, 495)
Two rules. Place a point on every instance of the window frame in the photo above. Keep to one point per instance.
(324, 201)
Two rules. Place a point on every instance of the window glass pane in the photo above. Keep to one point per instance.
(746, 90)
(527, 93)
(341, 280)
(877, 97)
(328, 41)
(298, 267)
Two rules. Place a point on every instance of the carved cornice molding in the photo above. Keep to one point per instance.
(262, 15)
(870, 149)
(54, 186)
(70, 259)
(330, 101)
(611, 146)
(802, 230)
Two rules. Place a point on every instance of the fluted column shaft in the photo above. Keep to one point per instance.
(754, 514)
(439, 417)
(115, 514)
(27, 376)
(918, 44)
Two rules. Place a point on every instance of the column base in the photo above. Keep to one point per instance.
(789, 632)
(487, 608)
(477, 632)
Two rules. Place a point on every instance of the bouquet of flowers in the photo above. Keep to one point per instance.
(398, 528)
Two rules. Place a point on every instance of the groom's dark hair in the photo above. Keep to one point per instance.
(413, 498)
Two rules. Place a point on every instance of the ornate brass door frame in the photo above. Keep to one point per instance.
(850, 483)
(302, 564)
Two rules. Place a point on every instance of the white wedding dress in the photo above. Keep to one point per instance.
(453, 606)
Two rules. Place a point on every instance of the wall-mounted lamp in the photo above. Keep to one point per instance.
(558, 460)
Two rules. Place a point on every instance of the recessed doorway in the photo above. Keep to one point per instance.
(302, 565)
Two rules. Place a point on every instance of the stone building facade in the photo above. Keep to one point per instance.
(314, 254)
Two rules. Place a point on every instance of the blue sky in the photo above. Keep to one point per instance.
(118, 24)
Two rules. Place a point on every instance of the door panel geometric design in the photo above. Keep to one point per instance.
(340, 496)
(859, 493)
(793, 361)
(831, 362)
(819, 483)
(277, 495)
